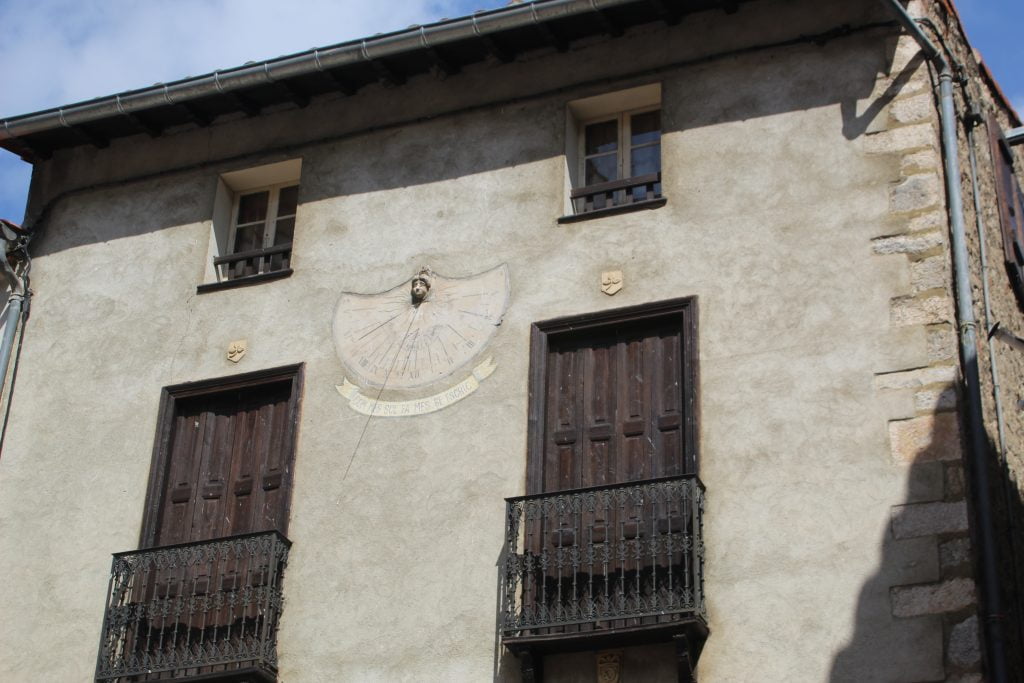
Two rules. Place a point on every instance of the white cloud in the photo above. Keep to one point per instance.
(60, 51)
(55, 52)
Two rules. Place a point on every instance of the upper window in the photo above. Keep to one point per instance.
(262, 228)
(253, 225)
(614, 157)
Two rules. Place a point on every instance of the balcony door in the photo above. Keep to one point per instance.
(223, 460)
(613, 398)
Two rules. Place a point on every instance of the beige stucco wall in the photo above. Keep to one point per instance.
(775, 192)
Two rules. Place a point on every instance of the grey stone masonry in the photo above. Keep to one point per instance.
(929, 519)
(932, 598)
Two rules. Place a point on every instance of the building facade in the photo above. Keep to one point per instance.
(569, 341)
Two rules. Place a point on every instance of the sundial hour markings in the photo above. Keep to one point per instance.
(411, 336)
(474, 313)
(379, 326)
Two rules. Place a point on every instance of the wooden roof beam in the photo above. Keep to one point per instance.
(146, 127)
(385, 74)
(670, 13)
(551, 38)
(89, 137)
(194, 115)
(610, 27)
(244, 103)
(495, 49)
(441, 66)
(299, 97)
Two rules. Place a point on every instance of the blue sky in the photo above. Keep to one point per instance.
(56, 52)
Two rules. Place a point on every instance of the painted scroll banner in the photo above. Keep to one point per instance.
(367, 405)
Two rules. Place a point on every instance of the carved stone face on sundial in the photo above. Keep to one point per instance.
(421, 331)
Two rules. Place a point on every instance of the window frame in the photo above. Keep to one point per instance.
(626, 193)
(168, 411)
(269, 221)
(624, 150)
(222, 268)
(685, 310)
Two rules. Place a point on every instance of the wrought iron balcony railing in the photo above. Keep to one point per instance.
(621, 558)
(190, 610)
(247, 264)
(617, 193)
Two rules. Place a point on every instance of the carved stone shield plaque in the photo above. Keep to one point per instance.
(406, 339)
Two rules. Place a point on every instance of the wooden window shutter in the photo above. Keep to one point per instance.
(1010, 198)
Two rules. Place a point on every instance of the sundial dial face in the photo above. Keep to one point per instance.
(395, 341)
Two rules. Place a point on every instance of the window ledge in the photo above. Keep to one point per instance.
(244, 281)
(612, 210)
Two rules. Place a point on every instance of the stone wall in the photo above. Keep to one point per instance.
(805, 213)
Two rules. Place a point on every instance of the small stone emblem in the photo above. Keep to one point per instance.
(611, 282)
(236, 350)
(609, 666)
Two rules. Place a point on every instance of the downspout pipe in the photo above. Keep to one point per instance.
(992, 610)
(12, 318)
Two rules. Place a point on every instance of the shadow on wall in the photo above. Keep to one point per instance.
(916, 618)
(435, 145)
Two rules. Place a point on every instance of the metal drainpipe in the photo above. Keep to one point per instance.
(992, 612)
(983, 258)
(12, 319)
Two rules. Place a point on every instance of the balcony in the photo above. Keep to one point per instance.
(250, 267)
(615, 196)
(604, 567)
(195, 611)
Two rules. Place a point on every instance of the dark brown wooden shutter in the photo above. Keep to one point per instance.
(1011, 208)
(227, 465)
(614, 406)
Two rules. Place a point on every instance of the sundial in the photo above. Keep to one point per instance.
(418, 333)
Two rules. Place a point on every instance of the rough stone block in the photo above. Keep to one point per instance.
(934, 598)
(918, 162)
(925, 484)
(916, 193)
(955, 554)
(966, 678)
(935, 400)
(964, 650)
(928, 519)
(921, 311)
(913, 109)
(909, 243)
(941, 343)
(903, 139)
(913, 379)
(932, 220)
(929, 273)
(955, 486)
(926, 438)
